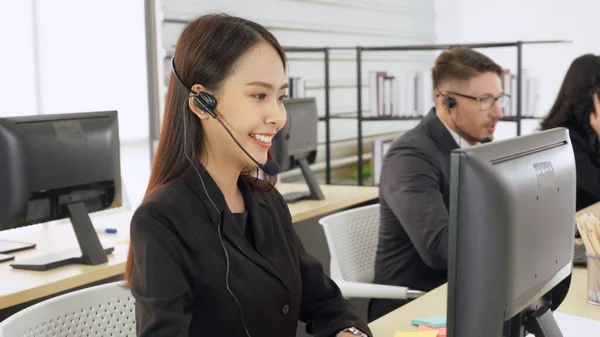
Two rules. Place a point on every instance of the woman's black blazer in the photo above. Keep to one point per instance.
(587, 166)
(180, 268)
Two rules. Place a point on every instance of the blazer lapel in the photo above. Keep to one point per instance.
(261, 223)
(437, 131)
(258, 214)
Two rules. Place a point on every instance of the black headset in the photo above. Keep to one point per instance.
(202, 100)
(450, 102)
(207, 103)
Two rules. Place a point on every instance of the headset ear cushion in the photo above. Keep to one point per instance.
(207, 99)
(450, 102)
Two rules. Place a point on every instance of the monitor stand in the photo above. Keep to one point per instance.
(314, 190)
(540, 323)
(91, 251)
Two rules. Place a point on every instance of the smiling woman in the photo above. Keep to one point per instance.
(210, 240)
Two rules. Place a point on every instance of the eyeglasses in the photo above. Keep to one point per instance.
(487, 102)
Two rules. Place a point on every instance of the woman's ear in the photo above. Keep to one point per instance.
(195, 107)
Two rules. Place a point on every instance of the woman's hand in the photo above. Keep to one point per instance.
(595, 115)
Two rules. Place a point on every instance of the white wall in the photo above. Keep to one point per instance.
(88, 56)
(92, 57)
(18, 90)
(465, 21)
(320, 23)
(73, 56)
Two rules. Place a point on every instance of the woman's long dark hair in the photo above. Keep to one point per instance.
(574, 102)
(205, 54)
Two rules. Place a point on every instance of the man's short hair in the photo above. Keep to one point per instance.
(462, 64)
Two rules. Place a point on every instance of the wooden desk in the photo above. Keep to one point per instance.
(337, 197)
(21, 286)
(434, 304)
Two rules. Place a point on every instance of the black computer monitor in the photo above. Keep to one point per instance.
(511, 235)
(60, 166)
(296, 145)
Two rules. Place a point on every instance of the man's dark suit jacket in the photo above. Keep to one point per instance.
(180, 268)
(414, 198)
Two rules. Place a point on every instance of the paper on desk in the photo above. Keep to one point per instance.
(430, 333)
(575, 326)
(442, 332)
(434, 321)
(570, 326)
(122, 241)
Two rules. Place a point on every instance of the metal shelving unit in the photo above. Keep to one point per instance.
(360, 50)
(326, 118)
(154, 16)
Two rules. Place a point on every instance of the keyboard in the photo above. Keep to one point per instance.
(579, 258)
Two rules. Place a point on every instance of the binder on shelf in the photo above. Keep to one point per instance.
(406, 94)
(380, 148)
(424, 93)
(530, 94)
(297, 87)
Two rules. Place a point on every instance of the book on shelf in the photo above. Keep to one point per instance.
(297, 87)
(410, 94)
(403, 94)
(530, 92)
(380, 148)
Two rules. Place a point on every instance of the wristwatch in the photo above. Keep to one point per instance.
(353, 331)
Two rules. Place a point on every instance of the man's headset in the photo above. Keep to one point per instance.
(450, 103)
(207, 103)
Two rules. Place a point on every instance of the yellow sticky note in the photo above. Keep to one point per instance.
(122, 241)
(430, 333)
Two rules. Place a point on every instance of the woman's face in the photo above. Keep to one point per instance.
(250, 104)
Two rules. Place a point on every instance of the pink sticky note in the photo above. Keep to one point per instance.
(442, 332)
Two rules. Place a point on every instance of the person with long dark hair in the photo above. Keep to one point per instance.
(577, 108)
(213, 251)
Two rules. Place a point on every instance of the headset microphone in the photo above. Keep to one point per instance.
(271, 168)
(207, 102)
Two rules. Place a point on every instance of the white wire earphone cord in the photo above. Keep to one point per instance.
(218, 217)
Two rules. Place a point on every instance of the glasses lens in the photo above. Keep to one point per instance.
(503, 101)
(488, 102)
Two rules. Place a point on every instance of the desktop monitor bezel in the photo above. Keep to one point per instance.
(53, 187)
(479, 261)
(289, 157)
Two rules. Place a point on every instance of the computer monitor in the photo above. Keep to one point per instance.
(511, 234)
(296, 145)
(60, 166)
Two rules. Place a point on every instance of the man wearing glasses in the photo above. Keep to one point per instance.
(415, 177)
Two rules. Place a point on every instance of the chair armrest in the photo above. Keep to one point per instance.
(370, 290)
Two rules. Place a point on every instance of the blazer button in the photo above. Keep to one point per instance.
(285, 309)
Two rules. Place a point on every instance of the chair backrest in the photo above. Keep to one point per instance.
(99, 311)
(352, 238)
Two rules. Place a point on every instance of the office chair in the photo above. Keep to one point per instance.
(99, 311)
(352, 238)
